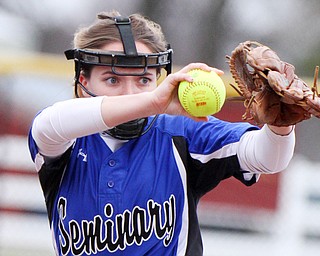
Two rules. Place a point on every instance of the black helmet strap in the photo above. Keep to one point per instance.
(124, 26)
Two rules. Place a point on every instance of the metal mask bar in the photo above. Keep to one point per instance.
(120, 60)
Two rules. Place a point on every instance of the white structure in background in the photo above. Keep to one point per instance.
(294, 230)
(17, 33)
(21, 233)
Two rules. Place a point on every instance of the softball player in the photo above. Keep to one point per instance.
(122, 166)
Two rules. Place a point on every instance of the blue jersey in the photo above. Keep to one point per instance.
(142, 198)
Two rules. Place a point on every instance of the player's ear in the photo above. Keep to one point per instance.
(83, 79)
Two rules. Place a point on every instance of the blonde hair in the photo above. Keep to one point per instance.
(104, 31)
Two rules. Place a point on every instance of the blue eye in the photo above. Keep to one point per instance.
(145, 80)
(112, 80)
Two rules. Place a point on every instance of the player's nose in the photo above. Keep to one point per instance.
(129, 88)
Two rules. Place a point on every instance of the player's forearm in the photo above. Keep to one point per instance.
(121, 109)
(56, 127)
(265, 152)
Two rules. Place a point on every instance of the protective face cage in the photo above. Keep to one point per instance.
(139, 62)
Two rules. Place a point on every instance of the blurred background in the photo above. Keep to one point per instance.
(278, 216)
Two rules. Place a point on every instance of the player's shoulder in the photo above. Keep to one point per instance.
(184, 126)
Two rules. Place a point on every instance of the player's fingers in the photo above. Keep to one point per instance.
(218, 71)
(178, 77)
(202, 66)
(198, 65)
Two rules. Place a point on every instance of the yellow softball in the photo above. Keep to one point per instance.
(204, 96)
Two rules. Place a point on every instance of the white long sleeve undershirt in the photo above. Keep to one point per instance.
(263, 151)
(56, 128)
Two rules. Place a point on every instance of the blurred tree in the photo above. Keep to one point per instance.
(50, 20)
(293, 31)
(155, 9)
(212, 26)
(196, 30)
(203, 30)
(307, 39)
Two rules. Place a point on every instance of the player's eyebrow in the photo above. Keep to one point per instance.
(148, 74)
(107, 72)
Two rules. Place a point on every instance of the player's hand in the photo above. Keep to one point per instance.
(165, 96)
